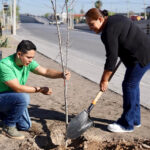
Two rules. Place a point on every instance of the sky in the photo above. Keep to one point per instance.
(40, 7)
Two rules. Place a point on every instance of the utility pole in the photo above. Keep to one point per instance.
(11, 17)
(128, 9)
(14, 17)
(145, 16)
(3, 14)
(71, 18)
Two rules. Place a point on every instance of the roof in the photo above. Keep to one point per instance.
(78, 15)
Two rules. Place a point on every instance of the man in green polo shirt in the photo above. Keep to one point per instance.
(14, 72)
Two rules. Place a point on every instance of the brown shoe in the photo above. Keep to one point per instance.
(12, 132)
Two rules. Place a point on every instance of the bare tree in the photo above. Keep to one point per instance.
(65, 82)
(69, 4)
(64, 66)
(98, 4)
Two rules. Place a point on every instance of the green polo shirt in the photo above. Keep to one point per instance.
(9, 71)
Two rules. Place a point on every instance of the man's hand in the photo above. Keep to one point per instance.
(44, 90)
(103, 85)
(67, 75)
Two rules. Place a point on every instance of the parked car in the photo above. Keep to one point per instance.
(54, 22)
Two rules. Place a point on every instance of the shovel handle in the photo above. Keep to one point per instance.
(101, 92)
(94, 101)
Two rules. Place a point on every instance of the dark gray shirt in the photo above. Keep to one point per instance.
(123, 38)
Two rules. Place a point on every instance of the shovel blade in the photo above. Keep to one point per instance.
(78, 125)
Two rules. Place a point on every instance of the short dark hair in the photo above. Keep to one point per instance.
(24, 46)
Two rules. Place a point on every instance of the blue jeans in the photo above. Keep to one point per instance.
(131, 96)
(14, 111)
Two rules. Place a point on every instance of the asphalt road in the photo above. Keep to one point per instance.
(86, 52)
(79, 41)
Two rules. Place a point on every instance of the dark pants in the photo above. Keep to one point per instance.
(13, 110)
(131, 96)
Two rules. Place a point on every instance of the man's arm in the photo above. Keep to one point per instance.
(15, 86)
(51, 73)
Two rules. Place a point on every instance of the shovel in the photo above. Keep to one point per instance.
(80, 123)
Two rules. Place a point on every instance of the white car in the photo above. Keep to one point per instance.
(54, 22)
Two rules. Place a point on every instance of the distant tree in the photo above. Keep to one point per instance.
(131, 13)
(110, 13)
(47, 15)
(142, 14)
(98, 4)
(17, 12)
(81, 11)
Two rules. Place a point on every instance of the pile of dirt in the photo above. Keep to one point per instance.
(82, 144)
(113, 145)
